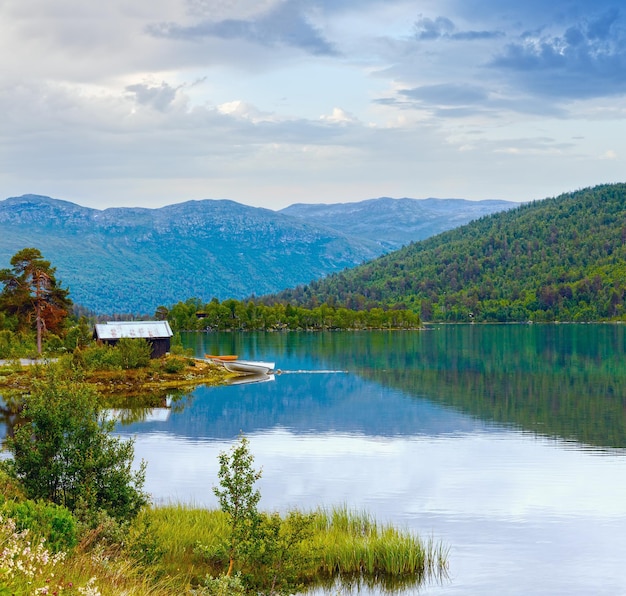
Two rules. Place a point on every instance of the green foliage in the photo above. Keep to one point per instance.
(65, 453)
(7, 341)
(285, 551)
(177, 348)
(125, 355)
(79, 336)
(10, 487)
(238, 315)
(557, 259)
(26, 567)
(45, 520)
(239, 499)
(298, 549)
(133, 353)
(53, 344)
(174, 364)
(31, 294)
(141, 541)
(17, 345)
(224, 585)
(98, 357)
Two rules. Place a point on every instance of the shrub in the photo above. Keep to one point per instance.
(99, 357)
(65, 453)
(174, 365)
(53, 343)
(21, 562)
(6, 343)
(45, 520)
(225, 585)
(134, 353)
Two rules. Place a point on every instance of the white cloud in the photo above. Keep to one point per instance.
(416, 99)
(339, 116)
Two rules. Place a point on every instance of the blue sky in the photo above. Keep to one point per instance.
(274, 102)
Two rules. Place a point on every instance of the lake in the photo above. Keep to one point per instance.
(505, 442)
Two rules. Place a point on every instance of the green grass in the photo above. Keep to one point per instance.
(161, 557)
(342, 543)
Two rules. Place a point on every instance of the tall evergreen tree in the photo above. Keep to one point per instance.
(31, 295)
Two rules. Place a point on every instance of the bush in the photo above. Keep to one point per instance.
(10, 488)
(174, 365)
(65, 453)
(45, 520)
(134, 353)
(126, 354)
(99, 357)
(24, 564)
(6, 343)
(225, 585)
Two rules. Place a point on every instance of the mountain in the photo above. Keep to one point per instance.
(134, 259)
(396, 222)
(562, 258)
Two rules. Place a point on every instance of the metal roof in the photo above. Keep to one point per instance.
(134, 329)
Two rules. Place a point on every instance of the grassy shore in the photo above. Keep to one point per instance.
(177, 549)
(169, 551)
(157, 378)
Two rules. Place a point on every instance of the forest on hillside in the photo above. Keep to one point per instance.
(558, 259)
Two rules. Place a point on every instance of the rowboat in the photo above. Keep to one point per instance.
(248, 367)
(242, 367)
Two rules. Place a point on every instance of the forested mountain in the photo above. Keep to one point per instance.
(394, 223)
(562, 258)
(132, 260)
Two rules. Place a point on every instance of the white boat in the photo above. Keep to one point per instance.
(248, 367)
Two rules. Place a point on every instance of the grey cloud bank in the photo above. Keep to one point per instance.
(282, 101)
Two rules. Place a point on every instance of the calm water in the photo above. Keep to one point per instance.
(507, 443)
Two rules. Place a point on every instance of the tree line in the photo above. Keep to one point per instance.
(557, 259)
(251, 315)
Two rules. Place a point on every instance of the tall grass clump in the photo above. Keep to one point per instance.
(331, 543)
(354, 543)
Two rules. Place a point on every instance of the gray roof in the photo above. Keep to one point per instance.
(133, 329)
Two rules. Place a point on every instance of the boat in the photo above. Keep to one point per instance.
(242, 367)
(248, 367)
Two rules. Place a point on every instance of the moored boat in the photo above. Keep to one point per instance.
(248, 367)
(242, 367)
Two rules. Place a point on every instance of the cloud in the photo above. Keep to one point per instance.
(339, 116)
(104, 99)
(427, 29)
(586, 59)
(160, 97)
(285, 24)
(449, 94)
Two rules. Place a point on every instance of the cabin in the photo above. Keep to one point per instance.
(157, 333)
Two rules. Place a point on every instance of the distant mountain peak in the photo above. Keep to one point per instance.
(133, 259)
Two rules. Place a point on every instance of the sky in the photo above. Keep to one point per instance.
(274, 102)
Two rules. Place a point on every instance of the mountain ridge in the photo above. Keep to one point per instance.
(561, 258)
(133, 259)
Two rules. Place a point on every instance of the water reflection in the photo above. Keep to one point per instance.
(521, 514)
(566, 381)
(248, 379)
(505, 442)
(311, 403)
